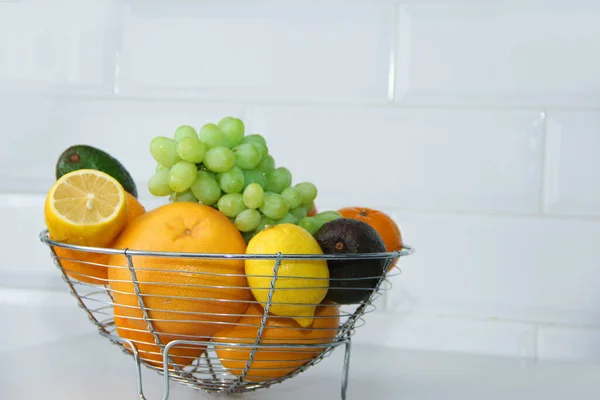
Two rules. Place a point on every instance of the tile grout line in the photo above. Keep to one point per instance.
(393, 53)
(268, 101)
(536, 342)
(498, 214)
(544, 167)
(34, 191)
(92, 95)
(539, 323)
(120, 34)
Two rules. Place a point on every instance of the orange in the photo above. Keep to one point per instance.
(90, 267)
(275, 362)
(83, 266)
(381, 222)
(134, 208)
(185, 298)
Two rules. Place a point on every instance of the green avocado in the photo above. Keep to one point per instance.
(82, 156)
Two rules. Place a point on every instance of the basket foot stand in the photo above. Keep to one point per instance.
(346, 367)
(137, 362)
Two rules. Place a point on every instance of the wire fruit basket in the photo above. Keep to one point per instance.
(200, 327)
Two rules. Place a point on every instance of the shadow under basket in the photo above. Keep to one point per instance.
(194, 319)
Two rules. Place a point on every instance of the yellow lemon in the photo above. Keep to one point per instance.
(301, 285)
(86, 207)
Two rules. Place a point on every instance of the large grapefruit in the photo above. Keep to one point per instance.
(185, 298)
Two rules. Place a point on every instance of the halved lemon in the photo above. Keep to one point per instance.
(86, 207)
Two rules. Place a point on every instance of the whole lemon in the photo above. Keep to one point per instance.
(301, 285)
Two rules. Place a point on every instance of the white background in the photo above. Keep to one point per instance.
(475, 124)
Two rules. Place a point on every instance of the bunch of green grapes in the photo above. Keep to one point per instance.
(222, 167)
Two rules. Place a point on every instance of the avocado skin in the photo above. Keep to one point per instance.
(93, 158)
(356, 237)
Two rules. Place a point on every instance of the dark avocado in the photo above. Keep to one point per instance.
(351, 281)
(82, 156)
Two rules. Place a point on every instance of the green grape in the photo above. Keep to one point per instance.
(299, 213)
(254, 138)
(310, 224)
(183, 196)
(314, 223)
(253, 195)
(326, 216)
(262, 149)
(248, 235)
(265, 221)
(259, 142)
(292, 196)
(308, 191)
(219, 159)
(205, 188)
(182, 176)
(203, 168)
(232, 180)
(164, 151)
(247, 156)
(278, 179)
(191, 150)
(274, 206)
(233, 128)
(254, 176)
(267, 164)
(247, 220)
(231, 204)
(287, 219)
(309, 206)
(185, 131)
(160, 168)
(212, 136)
(158, 185)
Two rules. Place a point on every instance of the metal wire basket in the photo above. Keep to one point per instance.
(190, 318)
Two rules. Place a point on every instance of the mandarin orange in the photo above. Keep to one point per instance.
(381, 222)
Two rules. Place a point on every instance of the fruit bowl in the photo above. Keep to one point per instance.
(210, 334)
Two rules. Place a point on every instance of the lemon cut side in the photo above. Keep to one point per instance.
(86, 207)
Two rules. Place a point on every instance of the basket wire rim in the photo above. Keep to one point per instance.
(405, 251)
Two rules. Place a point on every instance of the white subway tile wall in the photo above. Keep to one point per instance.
(476, 125)
(278, 51)
(443, 333)
(43, 48)
(572, 163)
(498, 54)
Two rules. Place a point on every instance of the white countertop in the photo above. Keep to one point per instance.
(91, 368)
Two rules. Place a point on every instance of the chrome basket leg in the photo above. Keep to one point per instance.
(138, 364)
(346, 368)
